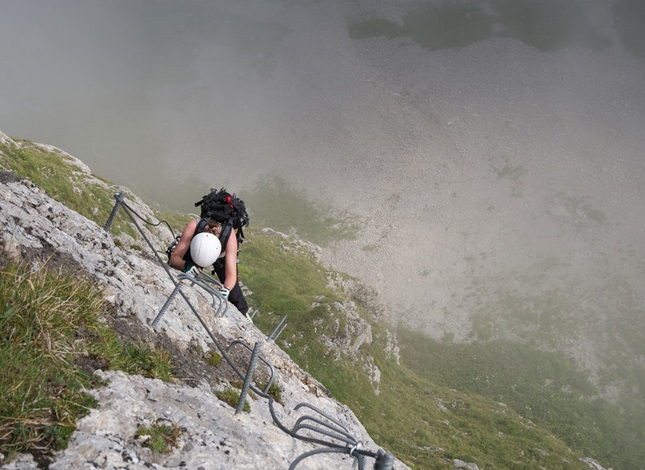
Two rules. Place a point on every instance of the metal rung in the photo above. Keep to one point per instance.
(268, 364)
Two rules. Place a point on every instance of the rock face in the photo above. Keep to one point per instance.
(36, 227)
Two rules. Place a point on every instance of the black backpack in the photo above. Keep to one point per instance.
(226, 208)
(223, 207)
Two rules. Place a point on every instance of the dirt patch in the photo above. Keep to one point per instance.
(189, 365)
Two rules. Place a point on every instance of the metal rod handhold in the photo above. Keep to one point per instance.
(157, 319)
(323, 450)
(268, 364)
(273, 336)
(119, 201)
(247, 379)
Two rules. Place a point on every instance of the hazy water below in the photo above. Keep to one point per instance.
(157, 93)
(494, 150)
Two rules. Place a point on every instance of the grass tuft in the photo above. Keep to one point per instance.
(41, 387)
(213, 359)
(231, 397)
(160, 438)
(51, 339)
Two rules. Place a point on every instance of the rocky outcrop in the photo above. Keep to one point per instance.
(39, 229)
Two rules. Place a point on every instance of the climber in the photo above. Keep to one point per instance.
(222, 214)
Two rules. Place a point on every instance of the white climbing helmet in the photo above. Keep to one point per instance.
(205, 248)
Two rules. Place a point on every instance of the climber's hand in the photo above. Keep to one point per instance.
(193, 271)
(223, 291)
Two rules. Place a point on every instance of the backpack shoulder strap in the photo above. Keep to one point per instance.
(227, 228)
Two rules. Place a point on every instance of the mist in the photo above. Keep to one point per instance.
(492, 151)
